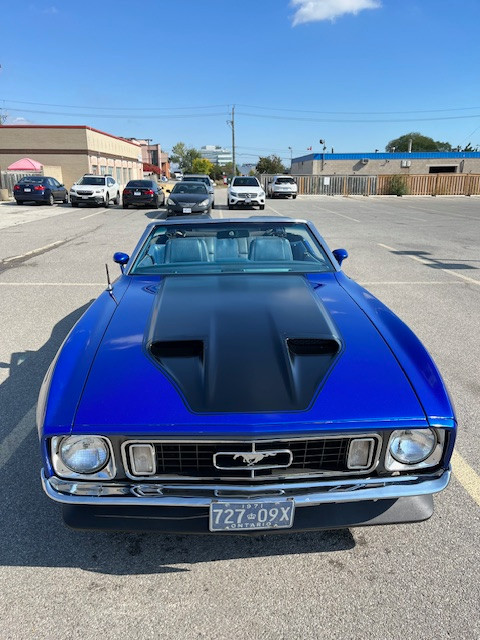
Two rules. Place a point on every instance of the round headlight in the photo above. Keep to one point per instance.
(411, 446)
(84, 454)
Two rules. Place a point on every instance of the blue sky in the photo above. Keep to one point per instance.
(297, 70)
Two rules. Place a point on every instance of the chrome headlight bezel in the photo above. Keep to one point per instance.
(432, 459)
(107, 472)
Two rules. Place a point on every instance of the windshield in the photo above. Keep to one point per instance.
(99, 181)
(195, 187)
(196, 179)
(285, 181)
(31, 180)
(245, 182)
(231, 247)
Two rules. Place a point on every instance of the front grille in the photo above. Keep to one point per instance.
(85, 193)
(247, 195)
(308, 457)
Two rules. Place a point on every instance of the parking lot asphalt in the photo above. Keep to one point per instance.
(418, 255)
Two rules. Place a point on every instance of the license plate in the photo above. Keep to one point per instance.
(187, 210)
(137, 193)
(250, 516)
(84, 197)
(247, 201)
(26, 190)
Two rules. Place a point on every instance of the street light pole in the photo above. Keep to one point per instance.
(323, 152)
(290, 159)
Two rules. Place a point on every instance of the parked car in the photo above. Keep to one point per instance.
(39, 189)
(282, 186)
(142, 192)
(245, 191)
(92, 189)
(202, 177)
(178, 175)
(188, 198)
(234, 380)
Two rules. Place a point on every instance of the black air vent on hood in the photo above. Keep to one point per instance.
(313, 346)
(242, 343)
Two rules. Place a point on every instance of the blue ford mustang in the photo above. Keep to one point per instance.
(234, 380)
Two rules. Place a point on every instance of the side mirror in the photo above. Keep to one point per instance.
(168, 190)
(121, 258)
(340, 255)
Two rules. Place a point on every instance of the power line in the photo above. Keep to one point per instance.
(118, 116)
(359, 113)
(375, 121)
(77, 106)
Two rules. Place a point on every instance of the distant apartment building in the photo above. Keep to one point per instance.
(217, 155)
(76, 149)
(154, 159)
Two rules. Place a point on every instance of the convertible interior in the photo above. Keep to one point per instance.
(243, 246)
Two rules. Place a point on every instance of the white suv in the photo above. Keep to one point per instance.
(282, 186)
(97, 190)
(245, 190)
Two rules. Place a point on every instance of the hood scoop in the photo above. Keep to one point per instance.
(242, 344)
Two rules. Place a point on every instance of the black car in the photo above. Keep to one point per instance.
(188, 197)
(141, 193)
(39, 189)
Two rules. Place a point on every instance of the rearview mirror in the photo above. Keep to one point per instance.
(340, 255)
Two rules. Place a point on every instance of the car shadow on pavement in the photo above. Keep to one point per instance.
(31, 526)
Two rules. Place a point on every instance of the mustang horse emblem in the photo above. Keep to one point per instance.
(253, 458)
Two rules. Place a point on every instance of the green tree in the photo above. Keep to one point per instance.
(419, 143)
(184, 156)
(270, 164)
(202, 165)
(228, 169)
(217, 172)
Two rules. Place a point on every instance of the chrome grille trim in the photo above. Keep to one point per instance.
(290, 474)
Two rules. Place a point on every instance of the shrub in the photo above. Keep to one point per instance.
(397, 186)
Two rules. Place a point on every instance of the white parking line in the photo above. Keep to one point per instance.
(52, 284)
(93, 214)
(468, 478)
(269, 206)
(34, 251)
(407, 282)
(340, 214)
(12, 442)
(424, 261)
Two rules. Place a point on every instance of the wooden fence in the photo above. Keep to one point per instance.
(9, 178)
(434, 184)
(332, 185)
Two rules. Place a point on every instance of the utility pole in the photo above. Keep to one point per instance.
(231, 123)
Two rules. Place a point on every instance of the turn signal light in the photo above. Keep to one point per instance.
(126, 192)
(142, 459)
(39, 187)
(149, 192)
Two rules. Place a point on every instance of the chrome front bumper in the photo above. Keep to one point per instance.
(305, 494)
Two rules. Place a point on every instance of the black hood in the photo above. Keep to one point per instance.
(242, 343)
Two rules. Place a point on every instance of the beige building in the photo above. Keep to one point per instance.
(77, 149)
(376, 164)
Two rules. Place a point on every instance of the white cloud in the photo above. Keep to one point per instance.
(316, 10)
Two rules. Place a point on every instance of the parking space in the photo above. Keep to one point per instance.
(418, 255)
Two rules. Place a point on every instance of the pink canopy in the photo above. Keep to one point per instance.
(25, 164)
